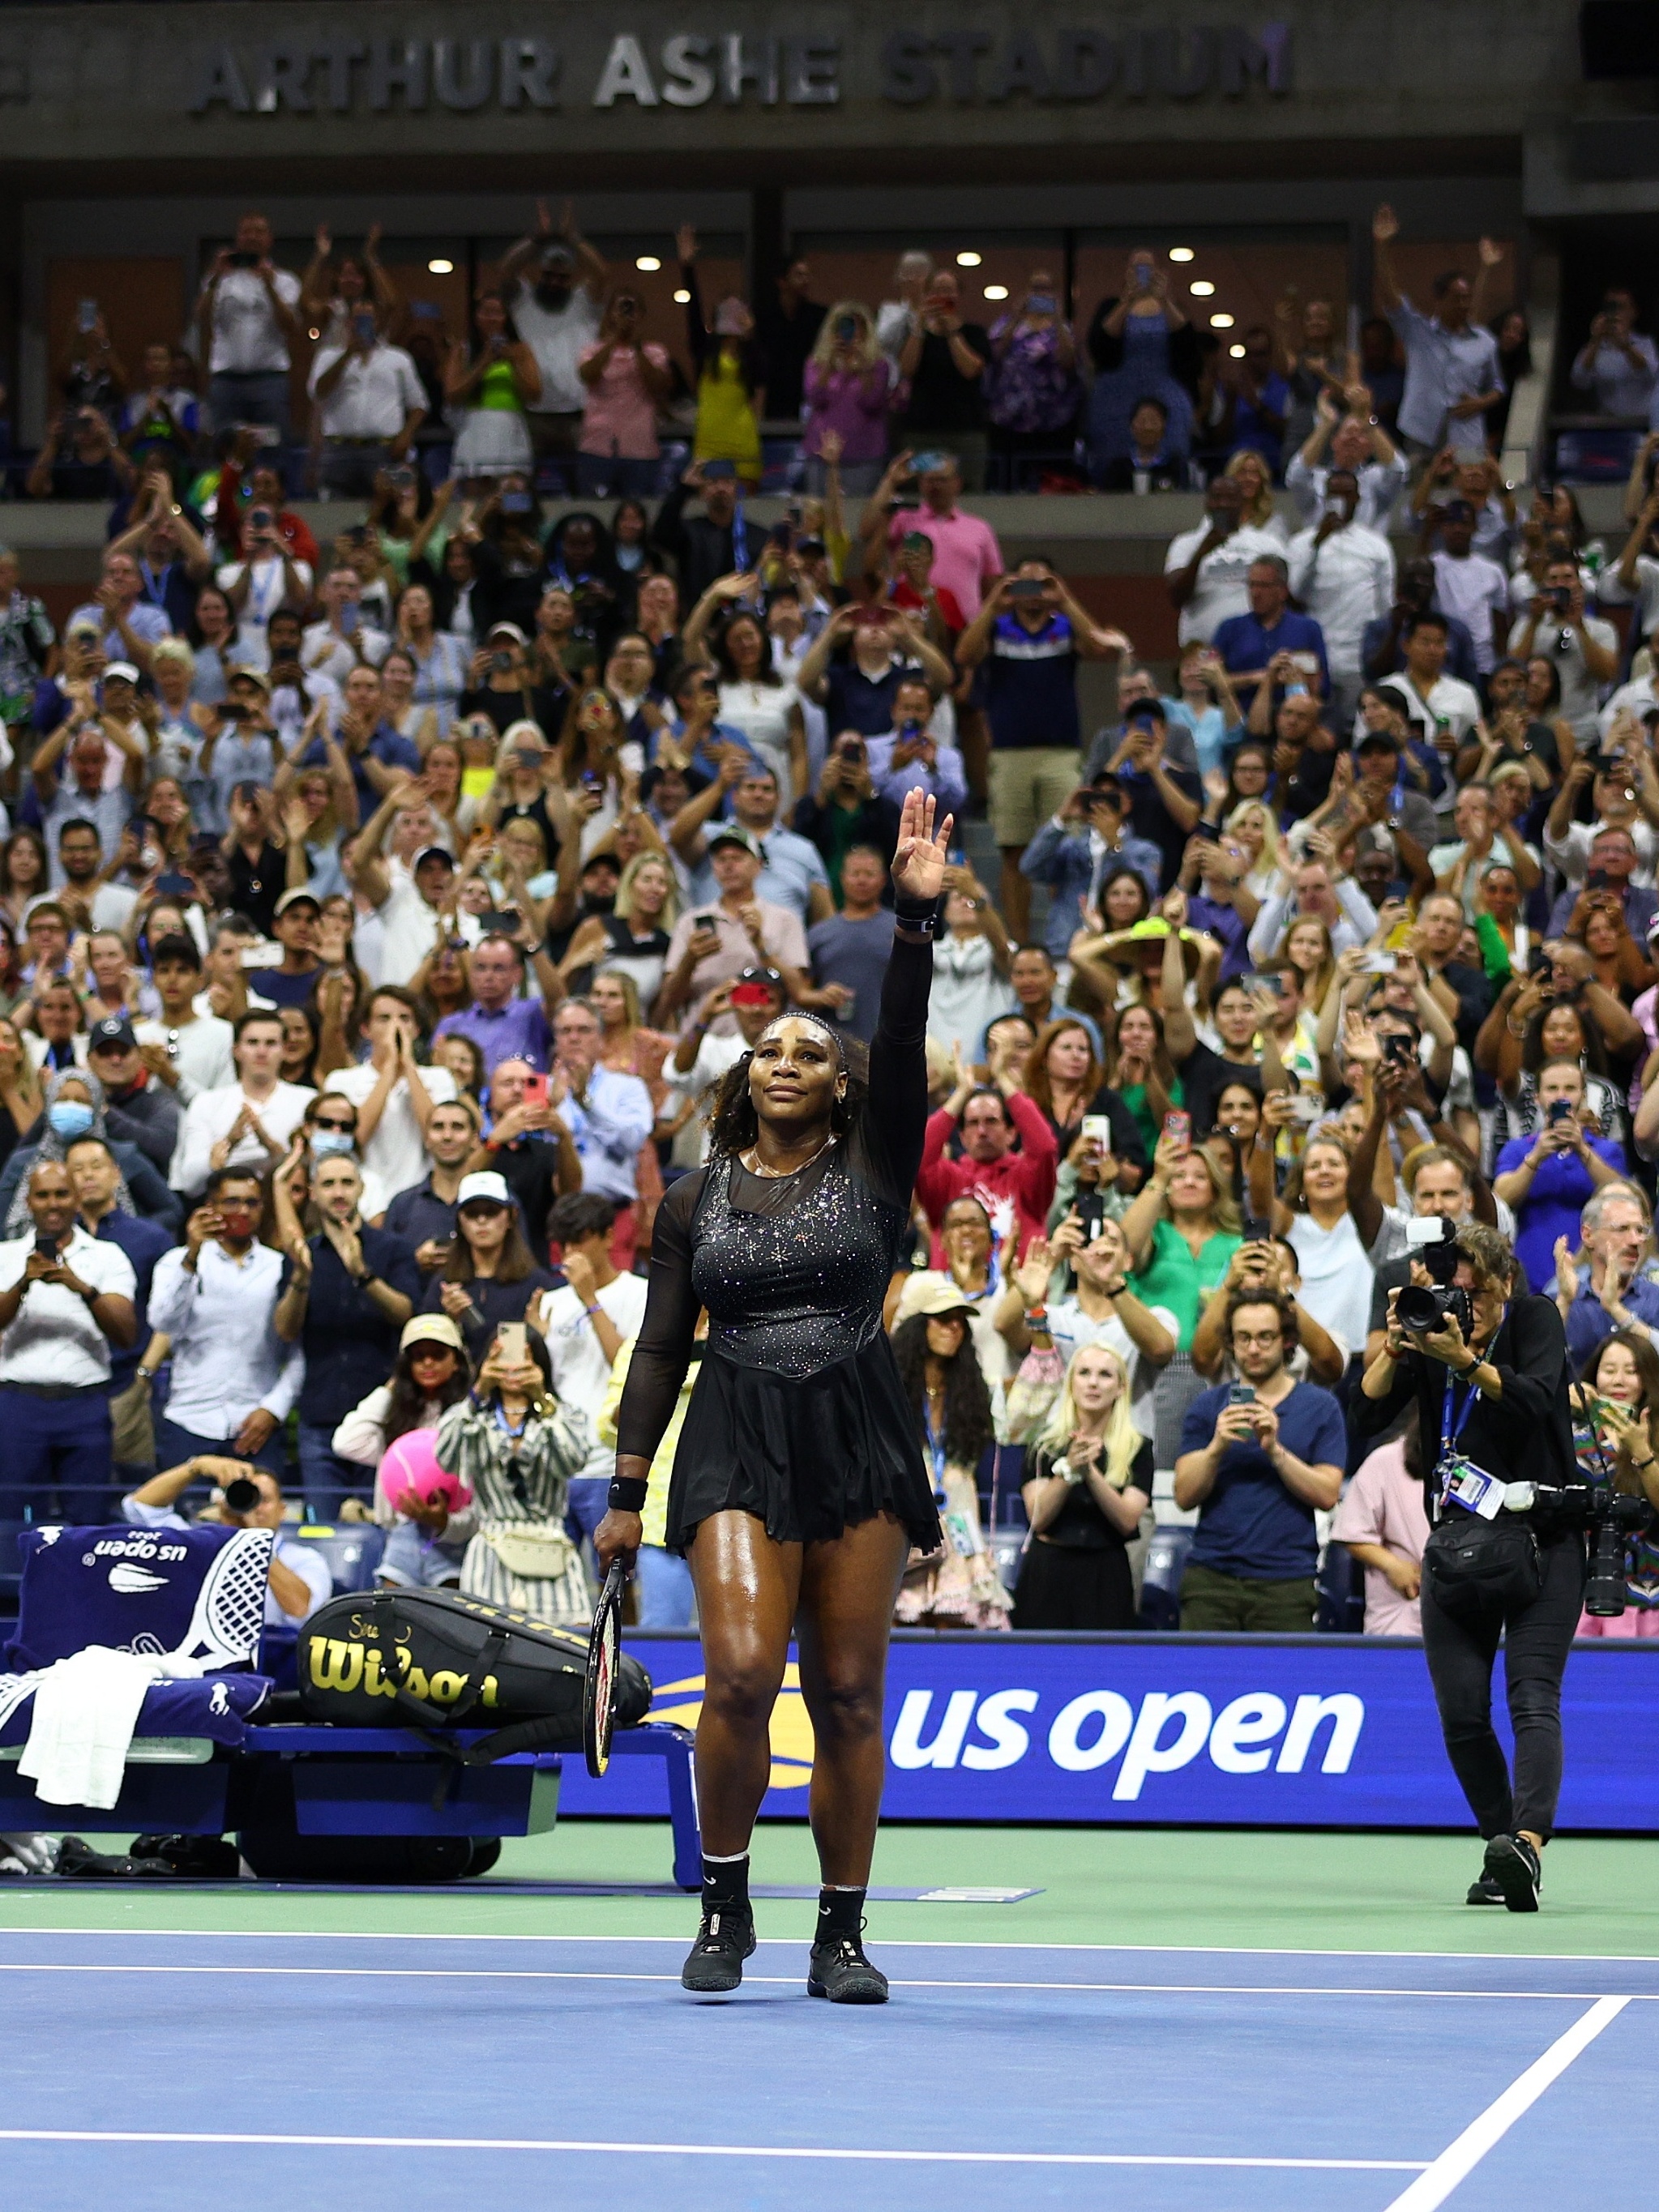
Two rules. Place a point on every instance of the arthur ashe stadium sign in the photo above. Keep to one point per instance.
(343, 76)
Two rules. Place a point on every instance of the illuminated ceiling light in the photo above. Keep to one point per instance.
(996, 291)
(1181, 253)
(647, 263)
(969, 260)
(1203, 290)
(1237, 352)
(682, 299)
(1221, 322)
(439, 267)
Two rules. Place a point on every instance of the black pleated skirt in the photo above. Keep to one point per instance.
(809, 1455)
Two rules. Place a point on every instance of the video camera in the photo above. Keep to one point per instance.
(1421, 1307)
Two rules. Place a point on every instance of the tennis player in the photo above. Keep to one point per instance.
(798, 1487)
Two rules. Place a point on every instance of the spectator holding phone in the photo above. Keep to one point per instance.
(1099, 1307)
(247, 325)
(1088, 1482)
(1549, 1176)
(1258, 1458)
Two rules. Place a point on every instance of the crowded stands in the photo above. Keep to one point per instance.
(378, 908)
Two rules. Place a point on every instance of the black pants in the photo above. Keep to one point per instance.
(1537, 1641)
(1060, 1587)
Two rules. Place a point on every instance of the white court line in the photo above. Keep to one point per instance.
(907, 1981)
(1460, 2158)
(888, 1942)
(704, 2150)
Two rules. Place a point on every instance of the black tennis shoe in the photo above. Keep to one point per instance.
(1512, 1865)
(838, 1970)
(724, 1939)
(1484, 1890)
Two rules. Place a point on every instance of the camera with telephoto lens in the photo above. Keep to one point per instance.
(241, 1495)
(1614, 1519)
(1421, 1307)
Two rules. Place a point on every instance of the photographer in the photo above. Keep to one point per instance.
(250, 1498)
(1258, 1459)
(1486, 1363)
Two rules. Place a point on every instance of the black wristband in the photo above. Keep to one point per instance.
(920, 916)
(627, 1493)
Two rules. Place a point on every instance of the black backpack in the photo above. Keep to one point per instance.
(434, 1658)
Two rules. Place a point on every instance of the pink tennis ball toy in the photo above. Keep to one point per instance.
(410, 1474)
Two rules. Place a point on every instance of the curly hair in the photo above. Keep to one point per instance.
(1283, 1306)
(734, 1125)
(1489, 1254)
(968, 1427)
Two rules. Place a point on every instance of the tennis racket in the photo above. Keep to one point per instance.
(599, 1690)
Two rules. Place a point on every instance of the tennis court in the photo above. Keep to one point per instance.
(1148, 2028)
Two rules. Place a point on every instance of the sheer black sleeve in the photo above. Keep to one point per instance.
(664, 1349)
(887, 1148)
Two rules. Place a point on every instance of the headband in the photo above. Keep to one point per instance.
(818, 1023)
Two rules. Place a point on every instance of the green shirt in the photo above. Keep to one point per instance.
(1134, 1097)
(1172, 1278)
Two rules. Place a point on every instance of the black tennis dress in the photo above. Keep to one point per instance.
(798, 1416)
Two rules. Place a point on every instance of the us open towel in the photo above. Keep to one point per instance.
(86, 1710)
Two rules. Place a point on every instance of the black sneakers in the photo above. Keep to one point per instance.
(838, 1970)
(1484, 1890)
(1512, 1870)
(724, 1942)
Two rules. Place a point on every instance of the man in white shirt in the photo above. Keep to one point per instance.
(372, 403)
(266, 577)
(1205, 568)
(234, 1380)
(1343, 907)
(407, 900)
(1618, 366)
(188, 1051)
(557, 315)
(1442, 708)
(1342, 574)
(394, 1096)
(334, 646)
(1362, 447)
(1470, 587)
(1584, 648)
(586, 1324)
(66, 1297)
(246, 322)
(247, 1124)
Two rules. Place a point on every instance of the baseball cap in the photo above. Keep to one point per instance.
(935, 1295)
(485, 1187)
(294, 897)
(121, 671)
(719, 472)
(84, 626)
(504, 629)
(247, 675)
(732, 833)
(113, 1034)
(557, 256)
(431, 1328)
(434, 853)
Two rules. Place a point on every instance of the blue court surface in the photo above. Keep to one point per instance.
(148, 2073)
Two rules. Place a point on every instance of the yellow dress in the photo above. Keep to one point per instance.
(726, 428)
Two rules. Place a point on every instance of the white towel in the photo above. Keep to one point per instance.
(86, 1709)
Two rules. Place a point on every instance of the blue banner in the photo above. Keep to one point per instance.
(1309, 1732)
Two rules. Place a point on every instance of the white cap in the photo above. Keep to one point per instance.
(487, 1185)
(120, 668)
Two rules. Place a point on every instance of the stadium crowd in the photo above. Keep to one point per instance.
(375, 917)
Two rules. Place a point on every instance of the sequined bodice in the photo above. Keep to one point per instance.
(796, 1290)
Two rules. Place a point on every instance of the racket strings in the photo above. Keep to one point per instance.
(230, 1610)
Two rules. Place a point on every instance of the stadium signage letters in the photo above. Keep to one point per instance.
(728, 69)
(1316, 1732)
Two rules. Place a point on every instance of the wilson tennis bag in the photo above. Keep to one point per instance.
(433, 1659)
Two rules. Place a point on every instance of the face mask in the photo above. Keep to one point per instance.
(70, 1120)
(331, 1144)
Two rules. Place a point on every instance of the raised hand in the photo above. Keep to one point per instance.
(920, 862)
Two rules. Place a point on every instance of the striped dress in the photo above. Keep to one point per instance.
(519, 1487)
